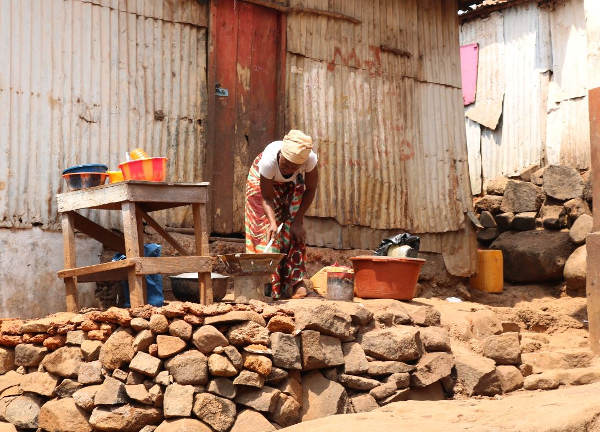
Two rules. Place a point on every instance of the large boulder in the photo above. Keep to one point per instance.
(398, 343)
(521, 197)
(576, 269)
(62, 415)
(28, 355)
(562, 182)
(476, 375)
(534, 256)
(125, 418)
(321, 397)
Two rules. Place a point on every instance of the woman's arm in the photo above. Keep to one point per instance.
(311, 181)
(268, 200)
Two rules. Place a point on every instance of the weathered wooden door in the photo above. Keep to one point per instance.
(247, 61)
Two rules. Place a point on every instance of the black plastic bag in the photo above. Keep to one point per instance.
(407, 239)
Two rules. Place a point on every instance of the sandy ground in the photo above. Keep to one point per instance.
(572, 409)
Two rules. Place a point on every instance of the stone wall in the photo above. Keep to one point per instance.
(222, 367)
(540, 221)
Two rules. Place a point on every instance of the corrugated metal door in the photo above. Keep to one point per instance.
(247, 63)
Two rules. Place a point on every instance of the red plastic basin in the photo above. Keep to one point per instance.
(386, 277)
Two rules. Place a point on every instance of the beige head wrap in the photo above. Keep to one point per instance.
(296, 147)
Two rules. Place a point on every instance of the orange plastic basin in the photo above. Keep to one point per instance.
(152, 169)
(386, 277)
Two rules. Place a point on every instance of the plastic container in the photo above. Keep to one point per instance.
(86, 168)
(115, 176)
(386, 277)
(138, 153)
(84, 180)
(340, 286)
(153, 169)
(319, 279)
(490, 272)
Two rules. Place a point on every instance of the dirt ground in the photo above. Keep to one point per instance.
(571, 409)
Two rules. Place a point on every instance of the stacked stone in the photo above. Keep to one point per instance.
(241, 367)
(541, 216)
(505, 356)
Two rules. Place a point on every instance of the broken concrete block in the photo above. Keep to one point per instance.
(521, 197)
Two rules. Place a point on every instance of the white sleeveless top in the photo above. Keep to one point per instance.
(268, 167)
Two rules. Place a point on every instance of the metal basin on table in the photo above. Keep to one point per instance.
(185, 286)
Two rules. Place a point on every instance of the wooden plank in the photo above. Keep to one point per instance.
(70, 261)
(140, 235)
(164, 234)
(593, 290)
(202, 249)
(133, 250)
(97, 268)
(108, 238)
(173, 265)
(105, 197)
(593, 240)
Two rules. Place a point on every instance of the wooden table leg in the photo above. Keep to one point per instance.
(70, 261)
(202, 249)
(134, 248)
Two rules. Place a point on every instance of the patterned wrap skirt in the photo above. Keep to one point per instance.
(288, 197)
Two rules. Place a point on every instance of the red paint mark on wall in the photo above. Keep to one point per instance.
(373, 64)
(407, 151)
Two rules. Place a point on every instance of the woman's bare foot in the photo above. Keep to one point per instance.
(300, 291)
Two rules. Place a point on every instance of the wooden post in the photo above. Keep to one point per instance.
(202, 249)
(134, 248)
(70, 259)
(593, 240)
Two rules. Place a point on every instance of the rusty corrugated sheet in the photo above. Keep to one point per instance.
(388, 132)
(568, 138)
(388, 127)
(541, 111)
(84, 81)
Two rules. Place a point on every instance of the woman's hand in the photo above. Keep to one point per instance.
(271, 231)
(298, 232)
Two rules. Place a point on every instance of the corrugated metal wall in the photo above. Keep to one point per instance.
(541, 61)
(86, 80)
(387, 128)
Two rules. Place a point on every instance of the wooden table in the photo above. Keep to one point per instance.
(135, 200)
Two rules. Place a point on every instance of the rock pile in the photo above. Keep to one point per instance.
(540, 219)
(241, 367)
(499, 358)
